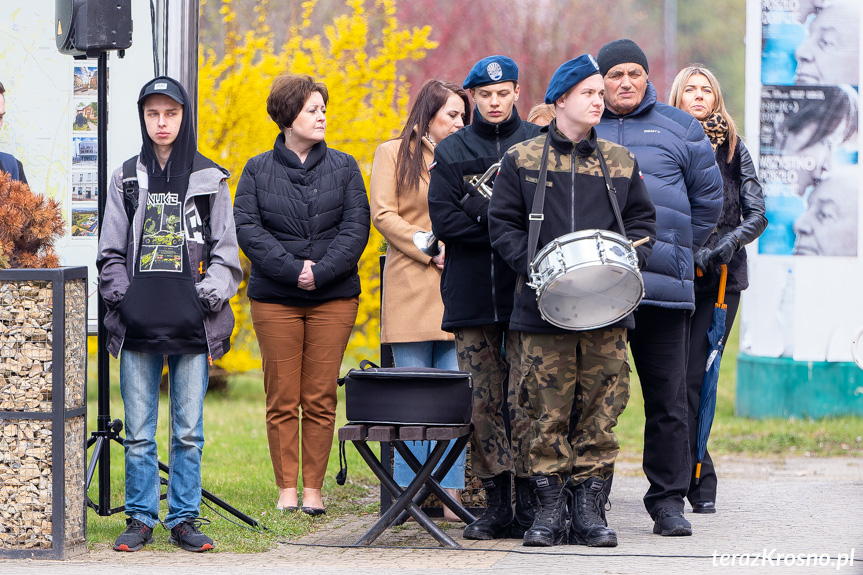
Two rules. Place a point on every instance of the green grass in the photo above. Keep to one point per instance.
(741, 435)
(236, 464)
(236, 468)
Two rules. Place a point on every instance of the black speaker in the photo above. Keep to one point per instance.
(87, 27)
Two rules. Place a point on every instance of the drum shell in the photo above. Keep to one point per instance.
(600, 260)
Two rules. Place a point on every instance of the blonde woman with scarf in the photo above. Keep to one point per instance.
(696, 90)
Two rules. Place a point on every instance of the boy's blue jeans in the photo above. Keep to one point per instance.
(139, 385)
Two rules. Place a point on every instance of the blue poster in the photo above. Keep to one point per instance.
(810, 57)
(808, 169)
(810, 42)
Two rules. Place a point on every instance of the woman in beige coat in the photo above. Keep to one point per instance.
(412, 307)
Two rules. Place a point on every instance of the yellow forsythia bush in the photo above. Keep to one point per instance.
(357, 58)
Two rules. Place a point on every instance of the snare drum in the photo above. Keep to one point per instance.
(586, 279)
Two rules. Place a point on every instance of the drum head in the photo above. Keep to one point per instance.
(590, 296)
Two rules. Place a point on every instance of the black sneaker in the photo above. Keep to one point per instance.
(186, 535)
(670, 523)
(136, 535)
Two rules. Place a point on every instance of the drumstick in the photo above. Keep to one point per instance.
(643, 240)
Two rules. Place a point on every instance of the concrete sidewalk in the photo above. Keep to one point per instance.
(809, 508)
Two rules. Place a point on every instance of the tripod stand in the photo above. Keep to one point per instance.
(107, 430)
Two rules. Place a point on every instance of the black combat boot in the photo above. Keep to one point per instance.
(551, 523)
(496, 521)
(589, 526)
(525, 507)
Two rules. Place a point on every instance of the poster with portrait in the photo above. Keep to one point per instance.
(808, 169)
(810, 42)
(802, 127)
(808, 126)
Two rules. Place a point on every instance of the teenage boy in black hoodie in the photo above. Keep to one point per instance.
(166, 274)
(477, 287)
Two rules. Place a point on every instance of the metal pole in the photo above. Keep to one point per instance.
(102, 366)
(160, 37)
(182, 48)
(670, 14)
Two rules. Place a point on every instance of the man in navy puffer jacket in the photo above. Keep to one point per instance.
(684, 182)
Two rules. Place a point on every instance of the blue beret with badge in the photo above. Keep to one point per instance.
(491, 70)
(568, 75)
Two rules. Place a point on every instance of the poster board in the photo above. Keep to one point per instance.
(51, 118)
(803, 122)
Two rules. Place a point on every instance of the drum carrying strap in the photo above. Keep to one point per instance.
(612, 193)
(535, 215)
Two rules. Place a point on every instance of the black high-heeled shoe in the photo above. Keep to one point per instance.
(288, 509)
(313, 511)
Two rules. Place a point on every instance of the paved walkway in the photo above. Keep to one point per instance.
(809, 508)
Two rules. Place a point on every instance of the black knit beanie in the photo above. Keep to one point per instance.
(620, 52)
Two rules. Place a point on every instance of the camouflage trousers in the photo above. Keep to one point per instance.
(586, 371)
(494, 390)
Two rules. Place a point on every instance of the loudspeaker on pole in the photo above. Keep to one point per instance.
(84, 28)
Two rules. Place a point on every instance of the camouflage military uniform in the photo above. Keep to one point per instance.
(563, 369)
(589, 371)
(479, 353)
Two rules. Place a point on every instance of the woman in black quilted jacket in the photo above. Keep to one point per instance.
(302, 218)
(696, 90)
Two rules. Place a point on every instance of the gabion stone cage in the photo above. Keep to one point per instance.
(43, 412)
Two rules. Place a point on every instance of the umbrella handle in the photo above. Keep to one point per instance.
(697, 473)
(723, 279)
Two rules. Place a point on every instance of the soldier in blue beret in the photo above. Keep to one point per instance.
(585, 370)
(477, 289)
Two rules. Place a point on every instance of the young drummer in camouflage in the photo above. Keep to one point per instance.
(562, 368)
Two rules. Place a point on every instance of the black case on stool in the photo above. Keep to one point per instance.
(408, 395)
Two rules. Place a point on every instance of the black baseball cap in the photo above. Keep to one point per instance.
(162, 85)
